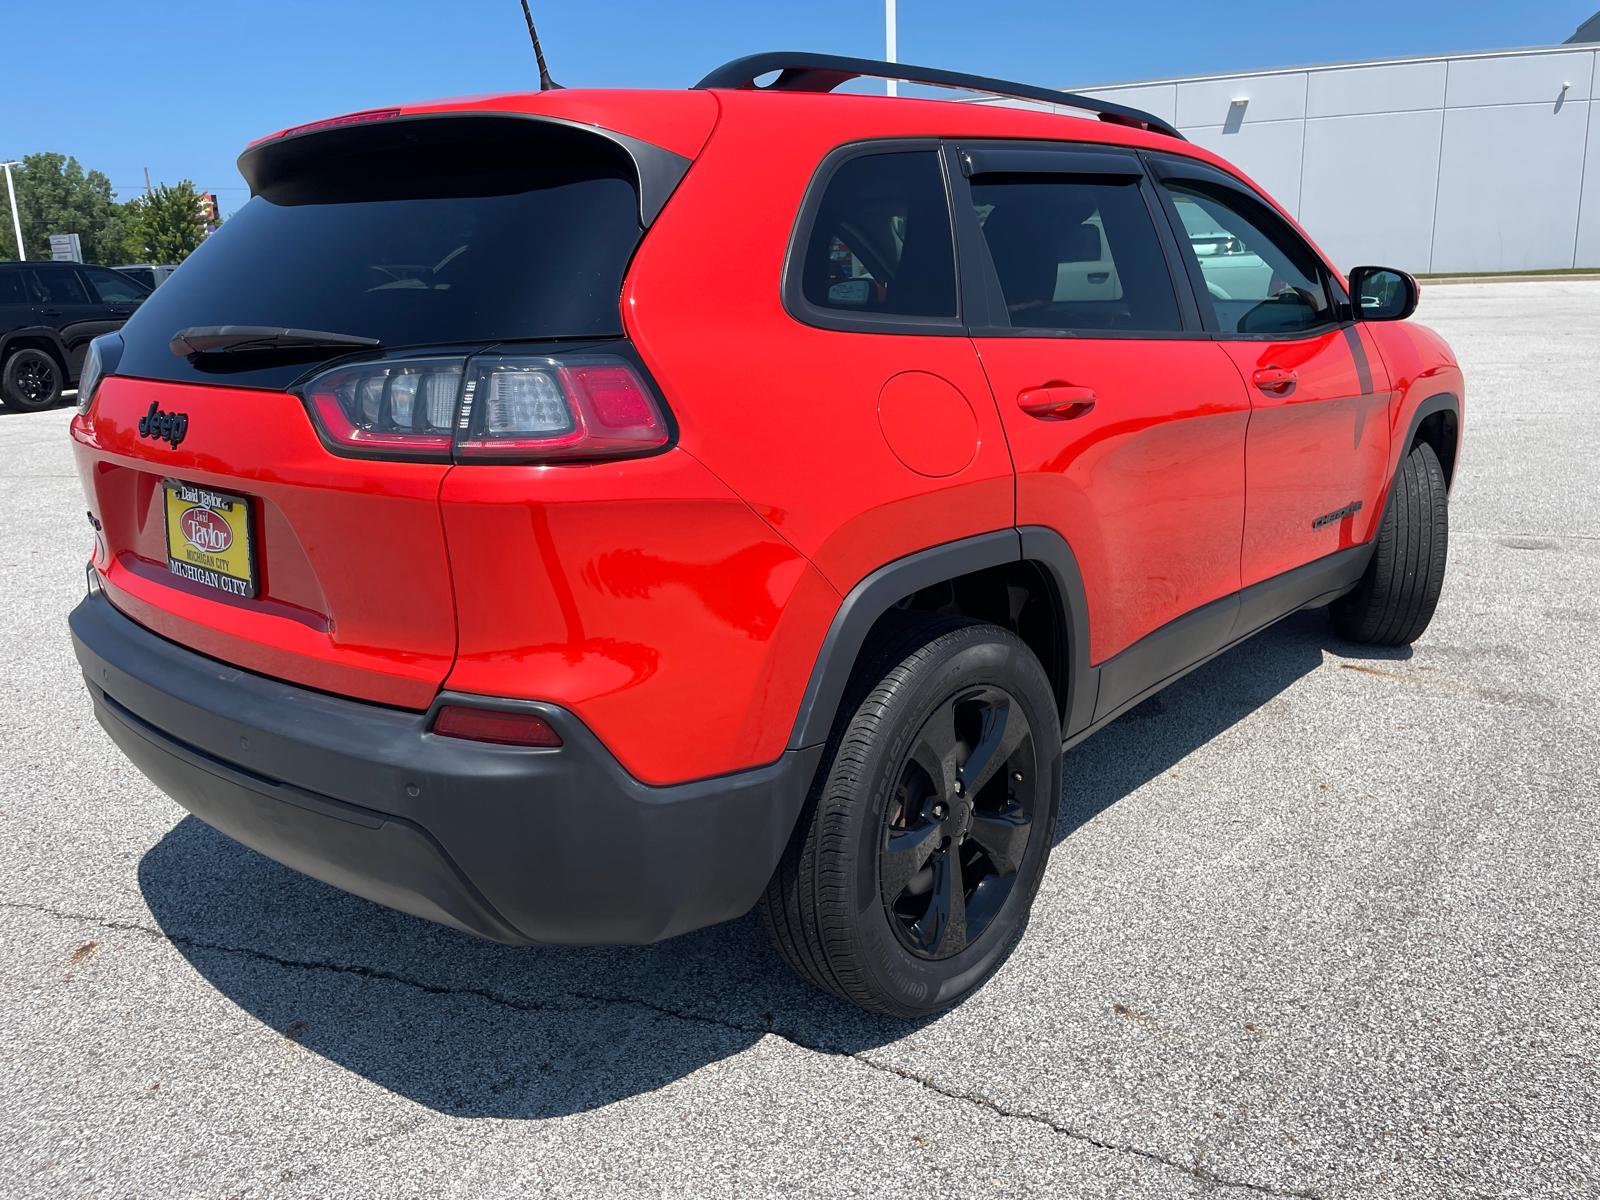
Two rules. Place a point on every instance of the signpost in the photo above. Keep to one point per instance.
(16, 221)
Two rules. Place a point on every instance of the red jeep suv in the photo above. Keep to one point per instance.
(578, 517)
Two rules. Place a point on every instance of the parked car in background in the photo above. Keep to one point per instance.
(152, 275)
(49, 313)
(463, 543)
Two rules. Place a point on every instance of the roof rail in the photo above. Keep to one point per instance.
(824, 72)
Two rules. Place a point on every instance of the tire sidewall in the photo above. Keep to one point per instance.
(8, 381)
(963, 659)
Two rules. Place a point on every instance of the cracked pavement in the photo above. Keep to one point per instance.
(1322, 921)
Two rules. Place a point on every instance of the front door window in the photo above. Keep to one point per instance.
(1258, 279)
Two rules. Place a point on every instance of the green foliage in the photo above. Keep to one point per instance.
(54, 195)
(164, 227)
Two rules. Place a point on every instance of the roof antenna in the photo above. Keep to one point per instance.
(546, 84)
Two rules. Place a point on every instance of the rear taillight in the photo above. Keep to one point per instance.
(405, 409)
(502, 728)
(546, 408)
(500, 407)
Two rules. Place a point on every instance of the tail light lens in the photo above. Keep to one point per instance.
(535, 409)
(389, 410)
(500, 407)
(501, 728)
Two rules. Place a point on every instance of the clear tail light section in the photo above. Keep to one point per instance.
(403, 409)
(508, 408)
(538, 409)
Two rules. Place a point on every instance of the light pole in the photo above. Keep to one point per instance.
(889, 48)
(16, 221)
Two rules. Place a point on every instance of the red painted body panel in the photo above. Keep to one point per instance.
(1317, 449)
(1420, 365)
(644, 596)
(1148, 487)
(356, 594)
(788, 415)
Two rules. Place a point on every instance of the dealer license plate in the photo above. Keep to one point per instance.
(208, 538)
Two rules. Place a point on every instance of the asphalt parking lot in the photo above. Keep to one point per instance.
(1323, 921)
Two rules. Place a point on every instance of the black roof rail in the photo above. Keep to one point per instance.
(824, 72)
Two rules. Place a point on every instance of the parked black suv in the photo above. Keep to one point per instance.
(49, 313)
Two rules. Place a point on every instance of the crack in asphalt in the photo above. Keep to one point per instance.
(1196, 1170)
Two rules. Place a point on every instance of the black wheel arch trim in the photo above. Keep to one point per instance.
(1439, 402)
(894, 581)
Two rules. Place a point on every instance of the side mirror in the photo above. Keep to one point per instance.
(1383, 293)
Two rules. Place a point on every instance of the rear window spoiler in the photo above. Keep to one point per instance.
(271, 162)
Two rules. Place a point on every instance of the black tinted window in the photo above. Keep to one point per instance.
(881, 241)
(11, 290)
(1259, 277)
(1075, 254)
(114, 288)
(435, 232)
(59, 287)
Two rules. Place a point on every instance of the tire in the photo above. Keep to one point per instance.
(1395, 599)
(863, 903)
(31, 381)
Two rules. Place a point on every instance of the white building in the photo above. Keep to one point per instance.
(1459, 163)
(1466, 162)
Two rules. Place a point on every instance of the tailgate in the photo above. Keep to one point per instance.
(352, 580)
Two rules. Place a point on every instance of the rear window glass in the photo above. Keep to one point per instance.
(1074, 254)
(881, 242)
(440, 232)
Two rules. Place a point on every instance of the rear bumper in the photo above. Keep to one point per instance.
(518, 845)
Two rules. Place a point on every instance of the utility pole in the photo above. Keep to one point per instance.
(16, 221)
(147, 190)
(890, 50)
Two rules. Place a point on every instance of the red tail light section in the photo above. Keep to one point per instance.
(502, 728)
(490, 407)
(534, 409)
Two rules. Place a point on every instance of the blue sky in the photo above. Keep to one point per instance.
(180, 88)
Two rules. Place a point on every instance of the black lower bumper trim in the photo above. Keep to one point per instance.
(515, 844)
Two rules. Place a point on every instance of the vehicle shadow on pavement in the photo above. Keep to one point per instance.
(470, 1028)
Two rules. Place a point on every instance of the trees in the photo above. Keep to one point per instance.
(165, 226)
(55, 195)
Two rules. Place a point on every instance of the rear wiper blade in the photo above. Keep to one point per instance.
(235, 339)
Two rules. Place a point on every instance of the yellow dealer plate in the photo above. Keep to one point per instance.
(208, 538)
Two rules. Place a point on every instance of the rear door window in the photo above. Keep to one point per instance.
(880, 244)
(1259, 277)
(114, 288)
(58, 287)
(1075, 253)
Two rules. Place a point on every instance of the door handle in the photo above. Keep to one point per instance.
(51, 312)
(1056, 401)
(120, 312)
(1275, 381)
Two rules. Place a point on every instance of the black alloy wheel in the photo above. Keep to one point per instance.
(31, 381)
(913, 867)
(960, 823)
